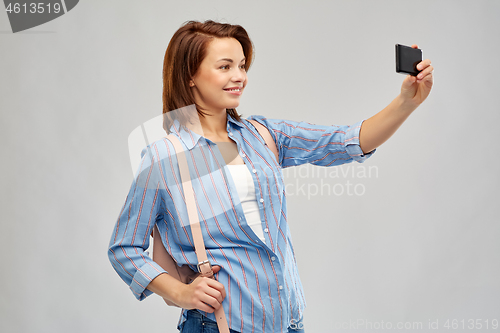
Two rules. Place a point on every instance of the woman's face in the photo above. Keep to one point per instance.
(223, 68)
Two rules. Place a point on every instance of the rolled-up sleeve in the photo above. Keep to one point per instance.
(351, 143)
(131, 233)
(302, 142)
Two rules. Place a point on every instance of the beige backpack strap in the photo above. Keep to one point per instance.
(204, 266)
(264, 132)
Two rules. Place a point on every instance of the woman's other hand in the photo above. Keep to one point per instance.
(415, 89)
(204, 293)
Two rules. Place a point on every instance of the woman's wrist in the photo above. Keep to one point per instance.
(404, 105)
(167, 287)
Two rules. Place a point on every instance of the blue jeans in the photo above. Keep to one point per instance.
(197, 323)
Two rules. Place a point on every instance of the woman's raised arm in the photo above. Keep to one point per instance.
(414, 90)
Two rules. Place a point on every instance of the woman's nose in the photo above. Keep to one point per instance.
(239, 75)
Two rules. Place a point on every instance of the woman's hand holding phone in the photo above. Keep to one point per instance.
(415, 89)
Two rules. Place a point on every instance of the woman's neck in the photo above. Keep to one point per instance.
(214, 124)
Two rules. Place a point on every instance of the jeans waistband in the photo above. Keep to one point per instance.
(295, 326)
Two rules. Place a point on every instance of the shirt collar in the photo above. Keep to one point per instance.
(233, 121)
(190, 138)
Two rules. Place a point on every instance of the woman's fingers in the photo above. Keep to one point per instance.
(215, 269)
(425, 72)
(204, 307)
(209, 302)
(210, 298)
(204, 293)
(423, 64)
(207, 294)
(215, 289)
(425, 68)
(220, 287)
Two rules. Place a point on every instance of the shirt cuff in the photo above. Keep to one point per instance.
(351, 143)
(143, 277)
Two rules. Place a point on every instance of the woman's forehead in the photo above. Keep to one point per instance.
(225, 48)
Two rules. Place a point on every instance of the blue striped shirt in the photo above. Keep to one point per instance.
(264, 291)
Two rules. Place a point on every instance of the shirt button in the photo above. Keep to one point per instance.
(230, 133)
(261, 200)
(273, 258)
(281, 287)
(243, 155)
(266, 230)
(254, 171)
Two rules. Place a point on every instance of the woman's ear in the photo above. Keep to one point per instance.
(191, 83)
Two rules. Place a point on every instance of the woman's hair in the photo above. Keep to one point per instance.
(185, 52)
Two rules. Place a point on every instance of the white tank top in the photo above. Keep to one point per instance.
(242, 178)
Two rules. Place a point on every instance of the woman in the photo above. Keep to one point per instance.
(238, 184)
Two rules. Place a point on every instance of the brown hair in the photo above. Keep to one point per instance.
(185, 52)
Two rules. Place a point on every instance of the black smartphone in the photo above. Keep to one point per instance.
(407, 59)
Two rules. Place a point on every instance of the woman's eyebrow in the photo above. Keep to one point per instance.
(229, 60)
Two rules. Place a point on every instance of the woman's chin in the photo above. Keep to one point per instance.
(234, 104)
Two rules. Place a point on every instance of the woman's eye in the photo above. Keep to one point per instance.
(227, 66)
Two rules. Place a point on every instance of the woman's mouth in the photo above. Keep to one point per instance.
(234, 91)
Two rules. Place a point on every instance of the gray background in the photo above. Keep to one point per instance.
(420, 244)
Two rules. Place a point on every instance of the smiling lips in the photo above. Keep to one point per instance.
(234, 90)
